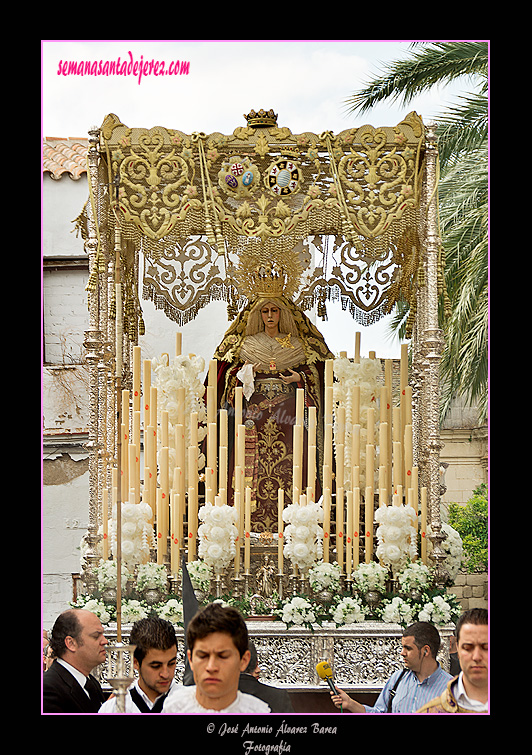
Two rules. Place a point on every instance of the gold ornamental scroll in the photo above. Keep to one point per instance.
(195, 204)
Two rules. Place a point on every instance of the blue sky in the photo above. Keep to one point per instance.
(306, 82)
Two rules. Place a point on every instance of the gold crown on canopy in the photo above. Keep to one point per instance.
(261, 119)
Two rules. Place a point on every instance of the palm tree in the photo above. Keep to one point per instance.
(463, 204)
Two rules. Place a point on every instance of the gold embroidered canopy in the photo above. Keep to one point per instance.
(340, 212)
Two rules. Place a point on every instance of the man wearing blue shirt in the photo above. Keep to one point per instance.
(409, 688)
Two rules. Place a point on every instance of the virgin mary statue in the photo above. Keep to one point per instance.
(271, 349)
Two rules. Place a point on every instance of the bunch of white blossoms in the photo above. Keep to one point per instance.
(415, 576)
(137, 533)
(172, 611)
(396, 535)
(452, 546)
(304, 534)
(437, 611)
(348, 611)
(217, 535)
(185, 372)
(324, 576)
(397, 611)
(370, 577)
(298, 611)
(365, 375)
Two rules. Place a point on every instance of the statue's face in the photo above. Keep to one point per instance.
(270, 315)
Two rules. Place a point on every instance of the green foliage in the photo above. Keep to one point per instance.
(471, 523)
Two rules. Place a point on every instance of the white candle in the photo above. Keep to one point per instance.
(369, 523)
(280, 529)
(340, 527)
(136, 378)
(356, 526)
(178, 343)
(349, 531)
(247, 528)
(326, 522)
(238, 542)
(159, 527)
(300, 397)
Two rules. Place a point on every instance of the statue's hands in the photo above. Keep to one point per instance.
(294, 377)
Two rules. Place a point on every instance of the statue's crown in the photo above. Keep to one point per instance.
(261, 119)
(269, 281)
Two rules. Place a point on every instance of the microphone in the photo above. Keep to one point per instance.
(324, 671)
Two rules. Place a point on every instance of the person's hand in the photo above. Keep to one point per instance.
(294, 377)
(341, 699)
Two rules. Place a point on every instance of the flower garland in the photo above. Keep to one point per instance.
(217, 535)
(396, 535)
(303, 534)
(364, 374)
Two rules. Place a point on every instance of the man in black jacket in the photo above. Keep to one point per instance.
(79, 645)
(278, 699)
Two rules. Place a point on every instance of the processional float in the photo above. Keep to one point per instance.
(176, 218)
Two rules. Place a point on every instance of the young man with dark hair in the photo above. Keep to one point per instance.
(467, 692)
(154, 659)
(408, 689)
(217, 649)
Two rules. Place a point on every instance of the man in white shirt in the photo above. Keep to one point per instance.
(154, 660)
(469, 691)
(217, 642)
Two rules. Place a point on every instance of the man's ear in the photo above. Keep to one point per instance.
(244, 661)
(71, 644)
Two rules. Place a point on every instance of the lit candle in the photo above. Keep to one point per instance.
(247, 528)
(280, 529)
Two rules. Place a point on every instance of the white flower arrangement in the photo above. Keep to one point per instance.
(303, 534)
(106, 573)
(137, 533)
(324, 576)
(298, 611)
(200, 575)
(396, 535)
(133, 610)
(152, 576)
(349, 610)
(217, 535)
(370, 577)
(439, 611)
(172, 611)
(104, 612)
(397, 611)
(415, 576)
(185, 372)
(364, 374)
(452, 547)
